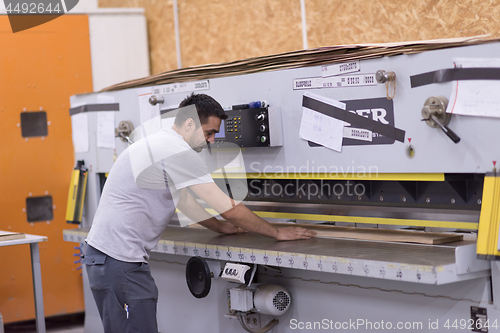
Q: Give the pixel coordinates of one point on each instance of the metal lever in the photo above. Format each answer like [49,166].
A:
[124,130]
[434,114]
[455,138]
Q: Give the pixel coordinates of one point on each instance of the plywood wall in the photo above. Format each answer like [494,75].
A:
[226,30]
[333,22]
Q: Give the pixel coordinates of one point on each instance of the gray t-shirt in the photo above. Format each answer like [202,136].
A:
[141,193]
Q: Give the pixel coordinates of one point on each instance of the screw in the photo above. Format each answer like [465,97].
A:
[359,197]
[338,197]
[18,125]
[403,199]
[381,198]
[48,222]
[48,123]
[46,192]
[41,108]
[24,210]
[427,200]
[478,201]
[468,269]
[30,194]
[452,201]
[54,207]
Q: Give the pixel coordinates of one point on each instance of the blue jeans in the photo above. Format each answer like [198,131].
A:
[125,293]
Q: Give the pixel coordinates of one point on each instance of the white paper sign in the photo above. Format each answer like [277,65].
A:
[475,97]
[80,131]
[322,129]
[106,124]
[146,110]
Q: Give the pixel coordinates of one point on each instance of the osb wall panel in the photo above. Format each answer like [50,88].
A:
[160,17]
[334,22]
[219,30]
[226,30]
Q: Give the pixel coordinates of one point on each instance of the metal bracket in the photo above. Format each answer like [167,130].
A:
[465,257]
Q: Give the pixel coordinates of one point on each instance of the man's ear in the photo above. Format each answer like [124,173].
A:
[189,124]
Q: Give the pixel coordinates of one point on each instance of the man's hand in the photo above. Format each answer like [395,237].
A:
[230,229]
[292,233]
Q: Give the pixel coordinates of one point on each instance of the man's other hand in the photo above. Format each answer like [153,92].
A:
[292,233]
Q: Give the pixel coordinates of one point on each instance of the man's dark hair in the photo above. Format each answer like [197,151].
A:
[206,107]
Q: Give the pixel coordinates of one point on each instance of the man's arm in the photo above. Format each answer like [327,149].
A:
[242,217]
[195,212]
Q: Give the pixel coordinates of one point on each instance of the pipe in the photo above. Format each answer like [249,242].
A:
[177,35]
[304,25]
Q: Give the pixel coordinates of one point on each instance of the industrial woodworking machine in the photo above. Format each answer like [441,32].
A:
[396,139]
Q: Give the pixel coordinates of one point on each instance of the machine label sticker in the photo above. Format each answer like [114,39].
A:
[307,83]
[342,68]
[358,134]
[350,81]
[334,82]
[182,87]
[378,111]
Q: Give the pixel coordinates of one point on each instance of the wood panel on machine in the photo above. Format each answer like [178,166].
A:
[381,235]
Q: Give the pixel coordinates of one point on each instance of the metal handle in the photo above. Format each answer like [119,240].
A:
[455,138]
[153,100]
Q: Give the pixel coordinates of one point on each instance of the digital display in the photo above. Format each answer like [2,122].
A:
[221,134]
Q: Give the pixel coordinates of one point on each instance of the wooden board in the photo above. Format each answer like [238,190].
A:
[372,234]
[7,235]
[383,235]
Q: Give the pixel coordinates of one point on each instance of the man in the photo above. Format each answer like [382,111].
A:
[147,183]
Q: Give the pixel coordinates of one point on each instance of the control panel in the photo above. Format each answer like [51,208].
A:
[256,127]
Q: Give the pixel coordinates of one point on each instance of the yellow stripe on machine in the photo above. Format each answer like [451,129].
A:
[489,220]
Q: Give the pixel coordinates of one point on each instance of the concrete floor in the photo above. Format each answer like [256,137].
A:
[63,324]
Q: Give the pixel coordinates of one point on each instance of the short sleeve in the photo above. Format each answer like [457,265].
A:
[186,168]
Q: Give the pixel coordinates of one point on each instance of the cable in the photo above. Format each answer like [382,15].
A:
[244,324]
